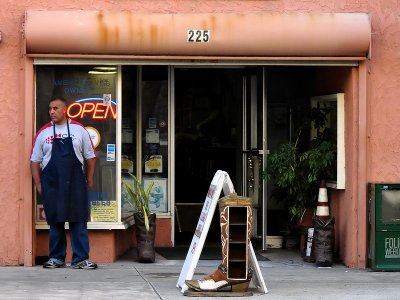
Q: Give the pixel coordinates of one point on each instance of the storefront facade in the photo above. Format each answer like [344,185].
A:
[143,76]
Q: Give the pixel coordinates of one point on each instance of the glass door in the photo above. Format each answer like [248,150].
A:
[207,138]
[254,147]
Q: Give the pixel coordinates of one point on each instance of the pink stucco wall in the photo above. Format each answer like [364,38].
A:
[383,142]
[342,203]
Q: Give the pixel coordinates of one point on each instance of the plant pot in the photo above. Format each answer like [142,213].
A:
[307,219]
[145,239]
[324,238]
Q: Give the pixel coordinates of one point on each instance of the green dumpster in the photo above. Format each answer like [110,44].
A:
[384,226]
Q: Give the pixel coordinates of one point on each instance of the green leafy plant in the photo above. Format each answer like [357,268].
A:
[296,171]
[139,197]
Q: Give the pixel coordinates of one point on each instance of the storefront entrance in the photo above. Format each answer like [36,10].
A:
[228,119]
[177,125]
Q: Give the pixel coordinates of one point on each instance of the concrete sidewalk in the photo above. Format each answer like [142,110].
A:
[286,277]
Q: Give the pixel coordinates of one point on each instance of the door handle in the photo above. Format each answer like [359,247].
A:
[255,152]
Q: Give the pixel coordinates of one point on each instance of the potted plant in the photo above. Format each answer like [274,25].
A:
[145,221]
[296,171]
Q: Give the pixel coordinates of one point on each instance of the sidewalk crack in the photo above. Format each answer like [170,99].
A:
[149,283]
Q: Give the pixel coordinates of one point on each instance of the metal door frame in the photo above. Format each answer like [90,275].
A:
[262,153]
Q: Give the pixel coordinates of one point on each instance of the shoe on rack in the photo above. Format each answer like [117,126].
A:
[85,265]
[218,280]
[53,264]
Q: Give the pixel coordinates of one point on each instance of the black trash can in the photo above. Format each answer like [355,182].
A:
[323,240]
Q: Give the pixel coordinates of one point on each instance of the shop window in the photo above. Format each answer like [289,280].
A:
[130,134]
[154,111]
[145,128]
[91,95]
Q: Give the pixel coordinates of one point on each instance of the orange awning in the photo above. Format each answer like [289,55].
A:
[221,34]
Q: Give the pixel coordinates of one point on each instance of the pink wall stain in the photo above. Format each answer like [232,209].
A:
[383,154]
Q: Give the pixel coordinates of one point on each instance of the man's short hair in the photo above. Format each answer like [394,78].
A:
[62,99]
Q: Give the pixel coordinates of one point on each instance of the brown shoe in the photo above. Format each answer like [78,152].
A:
[217,281]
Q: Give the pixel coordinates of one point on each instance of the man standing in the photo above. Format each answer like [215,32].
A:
[59,151]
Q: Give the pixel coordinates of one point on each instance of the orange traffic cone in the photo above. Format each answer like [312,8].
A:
[323,204]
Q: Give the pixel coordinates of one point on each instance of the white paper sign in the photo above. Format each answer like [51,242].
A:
[152,136]
[106,99]
[110,152]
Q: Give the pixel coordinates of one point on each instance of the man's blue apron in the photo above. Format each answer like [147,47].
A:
[64,189]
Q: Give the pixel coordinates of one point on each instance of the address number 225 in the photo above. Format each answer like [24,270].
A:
[198,36]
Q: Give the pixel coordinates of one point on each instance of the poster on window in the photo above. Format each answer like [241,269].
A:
[103,211]
[158,201]
[152,136]
[153,164]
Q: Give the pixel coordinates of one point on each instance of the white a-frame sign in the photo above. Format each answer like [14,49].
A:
[221,181]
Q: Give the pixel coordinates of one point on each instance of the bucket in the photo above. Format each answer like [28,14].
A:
[274,241]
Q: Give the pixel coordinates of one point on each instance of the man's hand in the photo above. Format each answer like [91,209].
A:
[90,165]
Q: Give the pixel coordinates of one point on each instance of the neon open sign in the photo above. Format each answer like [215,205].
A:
[92,107]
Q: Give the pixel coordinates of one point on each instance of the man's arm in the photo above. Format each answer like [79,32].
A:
[90,166]
[35,169]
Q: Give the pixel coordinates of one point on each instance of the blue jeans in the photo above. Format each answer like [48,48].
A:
[79,241]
